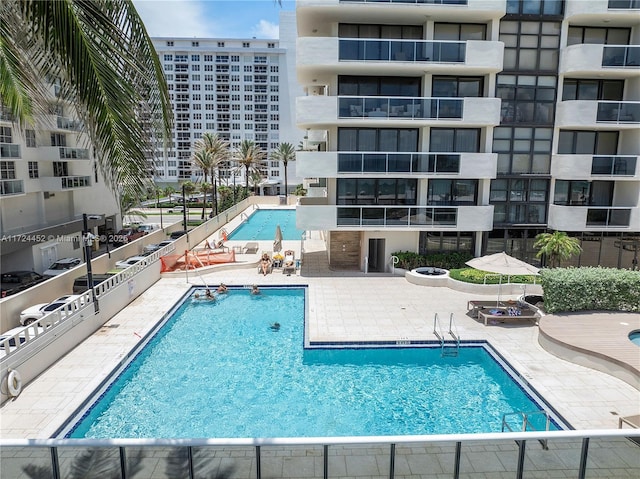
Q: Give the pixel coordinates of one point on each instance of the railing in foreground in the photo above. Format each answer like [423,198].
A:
[602,453]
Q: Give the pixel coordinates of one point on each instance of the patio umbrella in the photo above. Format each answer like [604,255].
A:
[502,264]
[277,242]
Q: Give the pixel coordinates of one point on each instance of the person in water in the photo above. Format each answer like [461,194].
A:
[208,294]
[255,289]
[222,288]
[275,327]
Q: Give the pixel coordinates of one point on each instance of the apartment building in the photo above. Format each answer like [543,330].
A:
[470,125]
[49,179]
[237,88]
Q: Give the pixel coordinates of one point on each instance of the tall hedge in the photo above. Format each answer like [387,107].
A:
[452,260]
[590,289]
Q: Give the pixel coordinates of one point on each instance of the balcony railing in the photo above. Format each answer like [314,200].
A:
[73,153]
[396,216]
[9,150]
[359,49]
[614,165]
[354,162]
[399,107]
[608,217]
[624,4]
[75,181]
[621,56]
[11,187]
[69,124]
[618,112]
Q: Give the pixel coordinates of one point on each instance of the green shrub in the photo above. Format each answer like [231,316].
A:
[591,289]
[471,275]
[409,260]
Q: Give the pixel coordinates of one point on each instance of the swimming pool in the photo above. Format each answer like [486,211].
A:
[212,372]
[634,337]
[261,225]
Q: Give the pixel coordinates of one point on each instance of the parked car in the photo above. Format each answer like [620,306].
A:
[19,333]
[34,313]
[125,263]
[81,284]
[61,266]
[177,234]
[176,209]
[15,281]
[146,228]
[150,248]
[127,235]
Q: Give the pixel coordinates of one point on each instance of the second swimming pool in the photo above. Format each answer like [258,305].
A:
[261,225]
[221,370]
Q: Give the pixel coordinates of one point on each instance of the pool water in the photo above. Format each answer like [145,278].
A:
[218,370]
[634,336]
[261,225]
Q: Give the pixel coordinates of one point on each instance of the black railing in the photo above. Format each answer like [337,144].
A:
[614,165]
[396,216]
[401,50]
[355,162]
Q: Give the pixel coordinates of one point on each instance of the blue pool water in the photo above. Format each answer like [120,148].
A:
[261,225]
[218,370]
[634,336]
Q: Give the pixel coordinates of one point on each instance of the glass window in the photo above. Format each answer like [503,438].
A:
[454,140]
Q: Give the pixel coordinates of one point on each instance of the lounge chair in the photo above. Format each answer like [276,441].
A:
[251,247]
[289,263]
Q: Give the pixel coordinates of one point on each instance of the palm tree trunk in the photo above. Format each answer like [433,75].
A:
[215,194]
[286,186]
[246,181]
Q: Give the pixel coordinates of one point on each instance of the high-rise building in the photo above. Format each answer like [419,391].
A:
[236,88]
[49,179]
[470,125]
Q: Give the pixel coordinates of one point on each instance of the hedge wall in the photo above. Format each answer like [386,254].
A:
[590,289]
[409,260]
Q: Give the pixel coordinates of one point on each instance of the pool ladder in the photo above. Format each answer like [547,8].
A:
[450,349]
[526,423]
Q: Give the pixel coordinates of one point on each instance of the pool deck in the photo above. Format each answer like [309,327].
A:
[342,306]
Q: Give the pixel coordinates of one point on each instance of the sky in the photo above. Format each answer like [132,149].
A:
[212,18]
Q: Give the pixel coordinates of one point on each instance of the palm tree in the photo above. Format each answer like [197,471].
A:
[284,153]
[168,191]
[102,59]
[204,187]
[189,188]
[556,246]
[219,151]
[249,157]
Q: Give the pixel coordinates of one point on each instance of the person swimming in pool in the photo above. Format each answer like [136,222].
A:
[209,295]
[255,290]
[222,288]
[275,327]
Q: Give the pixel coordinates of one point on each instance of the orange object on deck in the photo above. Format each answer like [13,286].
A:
[193,260]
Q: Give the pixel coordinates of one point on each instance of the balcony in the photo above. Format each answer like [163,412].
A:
[11,187]
[69,124]
[415,218]
[587,167]
[315,111]
[62,183]
[331,164]
[67,153]
[594,218]
[612,61]
[400,57]
[10,150]
[597,10]
[598,114]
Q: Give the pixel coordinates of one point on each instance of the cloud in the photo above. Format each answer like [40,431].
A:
[266,29]
[174,18]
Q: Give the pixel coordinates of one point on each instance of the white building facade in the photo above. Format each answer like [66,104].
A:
[237,88]
[470,125]
[49,179]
